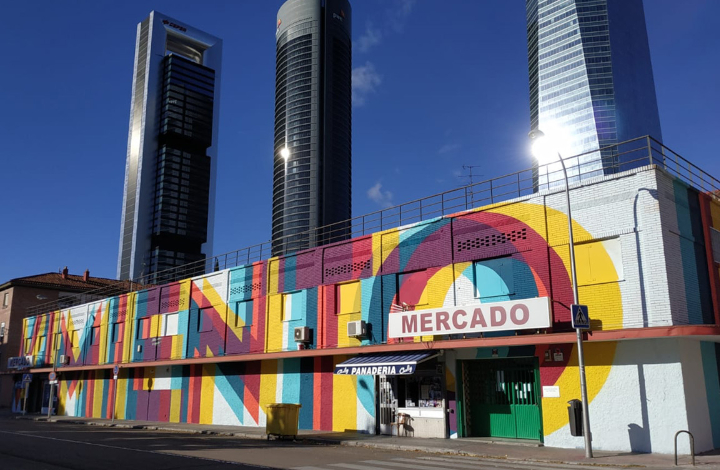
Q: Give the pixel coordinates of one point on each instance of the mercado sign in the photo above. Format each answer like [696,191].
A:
[525,314]
[22,362]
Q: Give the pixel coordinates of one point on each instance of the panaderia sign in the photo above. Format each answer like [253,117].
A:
[511,315]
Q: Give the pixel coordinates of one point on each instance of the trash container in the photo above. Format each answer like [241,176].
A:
[282,419]
[576,418]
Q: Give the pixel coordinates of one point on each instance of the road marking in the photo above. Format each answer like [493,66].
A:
[29,434]
[415,464]
[354,466]
[434,464]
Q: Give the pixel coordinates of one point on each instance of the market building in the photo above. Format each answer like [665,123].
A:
[460,321]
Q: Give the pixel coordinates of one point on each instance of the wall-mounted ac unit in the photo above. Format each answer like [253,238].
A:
[64,359]
[302,334]
[356,329]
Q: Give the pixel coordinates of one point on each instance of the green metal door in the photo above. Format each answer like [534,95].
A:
[502,398]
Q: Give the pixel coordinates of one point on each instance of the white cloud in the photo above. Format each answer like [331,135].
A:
[447,148]
[383,198]
[364,81]
[399,15]
[371,37]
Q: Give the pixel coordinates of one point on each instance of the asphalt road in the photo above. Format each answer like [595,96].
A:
[31,445]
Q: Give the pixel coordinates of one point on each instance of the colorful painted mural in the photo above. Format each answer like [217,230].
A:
[625,258]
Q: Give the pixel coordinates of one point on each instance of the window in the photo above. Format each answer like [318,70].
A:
[117,332]
[205,320]
[599,262]
[95,336]
[411,288]
[243,313]
[293,306]
[28,346]
[494,279]
[171,323]
[6,299]
[74,342]
[347,297]
[143,328]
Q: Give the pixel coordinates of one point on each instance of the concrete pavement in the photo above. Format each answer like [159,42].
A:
[483,448]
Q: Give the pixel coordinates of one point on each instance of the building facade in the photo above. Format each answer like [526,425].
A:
[462,322]
[168,200]
[591,81]
[17,296]
[313,113]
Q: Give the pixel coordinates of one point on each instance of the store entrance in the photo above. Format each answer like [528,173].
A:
[388,403]
[502,398]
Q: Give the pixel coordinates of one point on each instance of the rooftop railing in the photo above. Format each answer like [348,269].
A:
[635,153]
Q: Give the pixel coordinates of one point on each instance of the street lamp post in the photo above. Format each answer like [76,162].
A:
[545,153]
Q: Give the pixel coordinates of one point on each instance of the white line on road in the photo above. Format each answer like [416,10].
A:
[26,434]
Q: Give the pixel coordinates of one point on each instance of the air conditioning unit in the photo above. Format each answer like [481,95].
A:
[302,334]
[356,329]
[64,359]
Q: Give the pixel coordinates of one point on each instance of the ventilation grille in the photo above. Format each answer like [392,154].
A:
[492,240]
[180,303]
[347,268]
[244,289]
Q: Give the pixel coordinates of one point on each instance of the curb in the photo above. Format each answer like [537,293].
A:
[333,442]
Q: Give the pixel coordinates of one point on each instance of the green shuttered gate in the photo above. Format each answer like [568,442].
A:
[501,398]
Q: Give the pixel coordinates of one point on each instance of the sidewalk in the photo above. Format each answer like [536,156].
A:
[491,449]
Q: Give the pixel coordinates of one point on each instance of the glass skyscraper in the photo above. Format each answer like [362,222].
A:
[313,112]
[591,82]
[168,201]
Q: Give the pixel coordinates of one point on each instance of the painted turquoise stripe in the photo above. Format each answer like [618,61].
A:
[289,277]
[184,400]
[712,387]
[291,381]
[366,393]
[687,252]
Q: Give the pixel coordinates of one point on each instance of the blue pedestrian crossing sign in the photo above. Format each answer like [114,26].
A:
[27,378]
[580,317]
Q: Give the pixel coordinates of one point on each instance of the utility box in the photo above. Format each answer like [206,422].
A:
[282,420]
[575,416]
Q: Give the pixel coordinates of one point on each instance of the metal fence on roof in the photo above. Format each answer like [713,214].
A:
[616,158]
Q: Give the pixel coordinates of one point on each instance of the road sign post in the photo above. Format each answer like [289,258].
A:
[580,317]
[26,379]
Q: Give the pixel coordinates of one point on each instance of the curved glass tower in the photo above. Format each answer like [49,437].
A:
[313,113]
[591,81]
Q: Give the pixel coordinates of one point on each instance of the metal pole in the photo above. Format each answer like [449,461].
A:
[52,385]
[27,389]
[578,332]
[115,383]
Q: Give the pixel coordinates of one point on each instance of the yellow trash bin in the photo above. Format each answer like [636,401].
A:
[282,419]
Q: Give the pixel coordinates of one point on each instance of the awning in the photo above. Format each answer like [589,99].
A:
[383,364]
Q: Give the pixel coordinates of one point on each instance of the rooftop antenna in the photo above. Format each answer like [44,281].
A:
[470,176]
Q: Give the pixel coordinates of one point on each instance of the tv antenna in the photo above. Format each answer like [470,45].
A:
[470,176]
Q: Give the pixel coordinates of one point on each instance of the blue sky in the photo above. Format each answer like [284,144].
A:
[438,85]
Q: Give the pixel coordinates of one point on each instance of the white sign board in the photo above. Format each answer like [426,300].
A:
[551,391]
[21,362]
[525,314]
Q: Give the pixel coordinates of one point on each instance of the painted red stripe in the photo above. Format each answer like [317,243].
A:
[326,397]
